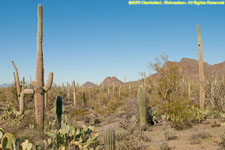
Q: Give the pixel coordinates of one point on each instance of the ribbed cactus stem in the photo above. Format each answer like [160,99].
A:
[113,89]
[59,110]
[201,70]
[46,99]
[14,76]
[21,102]
[23,83]
[84,98]
[142,107]
[110,139]
[68,91]
[17,80]
[74,94]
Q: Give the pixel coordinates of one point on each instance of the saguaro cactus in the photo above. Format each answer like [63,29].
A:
[201,70]
[142,107]
[68,90]
[74,93]
[39,87]
[23,83]
[59,110]
[46,99]
[113,89]
[84,98]
[110,139]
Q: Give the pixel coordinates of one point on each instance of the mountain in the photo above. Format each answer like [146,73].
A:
[110,80]
[190,69]
[5,85]
[88,84]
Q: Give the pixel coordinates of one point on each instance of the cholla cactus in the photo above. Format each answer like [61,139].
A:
[201,70]
[142,107]
[110,139]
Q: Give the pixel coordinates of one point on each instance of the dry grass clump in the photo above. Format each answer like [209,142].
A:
[196,138]
[164,146]
[138,140]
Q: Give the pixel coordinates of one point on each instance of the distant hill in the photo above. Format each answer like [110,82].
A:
[88,84]
[110,80]
[190,69]
[5,85]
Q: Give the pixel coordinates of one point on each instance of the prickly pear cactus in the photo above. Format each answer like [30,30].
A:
[59,110]
[7,141]
[26,145]
[1,133]
[110,139]
[71,137]
[142,107]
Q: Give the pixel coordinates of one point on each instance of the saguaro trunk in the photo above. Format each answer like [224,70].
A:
[201,70]
[39,96]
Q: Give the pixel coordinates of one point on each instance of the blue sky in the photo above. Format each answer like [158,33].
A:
[90,39]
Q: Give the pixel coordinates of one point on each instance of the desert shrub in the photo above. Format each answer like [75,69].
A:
[164,146]
[196,138]
[169,134]
[222,142]
[215,93]
[138,140]
[173,102]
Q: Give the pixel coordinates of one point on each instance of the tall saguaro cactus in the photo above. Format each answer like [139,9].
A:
[201,70]
[39,87]
[142,107]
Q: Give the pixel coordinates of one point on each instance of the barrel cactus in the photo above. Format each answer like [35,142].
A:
[110,138]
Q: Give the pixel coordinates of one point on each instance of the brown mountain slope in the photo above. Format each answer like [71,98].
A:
[190,69]
[110,80]
[88,84]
